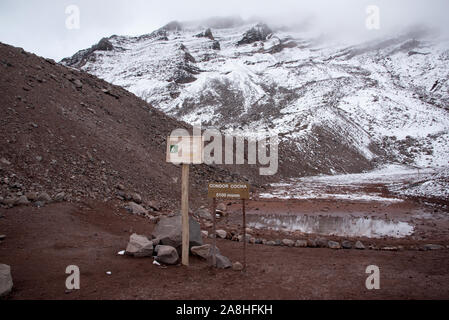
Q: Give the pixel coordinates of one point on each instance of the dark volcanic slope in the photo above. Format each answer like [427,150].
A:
[62,130]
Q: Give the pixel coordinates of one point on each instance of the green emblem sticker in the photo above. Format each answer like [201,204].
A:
[174,149]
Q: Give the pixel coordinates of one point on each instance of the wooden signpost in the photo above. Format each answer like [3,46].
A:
[185,151]
[228,191]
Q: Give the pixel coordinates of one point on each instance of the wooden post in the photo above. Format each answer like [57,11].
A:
[185,215]
[244,235]
[214,248]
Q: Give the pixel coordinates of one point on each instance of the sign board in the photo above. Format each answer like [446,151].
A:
[185,150]
[230,191]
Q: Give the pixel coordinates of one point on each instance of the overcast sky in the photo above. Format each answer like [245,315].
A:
[39,26]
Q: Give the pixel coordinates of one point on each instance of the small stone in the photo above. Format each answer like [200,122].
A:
[32,196]
[237,266]
[270,243]
[136,209]
[334,245]
[222,207]
[288,243]
[433,247]
[208,225]
[154,219]
[39,204]
[311,243]
[136,198]
[78,84]
[301,244]
[205,233]
[389,249]
[167,255]
[10,201]
[5,162]
[222,234]
[321,242]
[120,187]
[346,244]
[60,197]
[43,197]
[359,245]
[204,214]
[22,201]
[153,205]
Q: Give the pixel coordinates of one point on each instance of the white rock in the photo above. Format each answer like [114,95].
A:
[136,209]
[221,233]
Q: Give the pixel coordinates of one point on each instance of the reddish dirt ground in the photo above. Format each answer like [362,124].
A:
[41,243]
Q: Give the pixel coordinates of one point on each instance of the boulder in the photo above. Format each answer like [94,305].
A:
[288,243]
[301,244]
[136,209]
[334,245]
[321,242]
[237,266]
[43,197]
[359,245]
[222,234]
[6,283]
[139,246]
[169,231]
[346,244]
[311,243]
[204,251]
[167,255]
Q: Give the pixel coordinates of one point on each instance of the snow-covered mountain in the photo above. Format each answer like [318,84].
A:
[338,107]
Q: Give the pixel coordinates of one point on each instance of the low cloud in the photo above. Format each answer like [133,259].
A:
[39,26]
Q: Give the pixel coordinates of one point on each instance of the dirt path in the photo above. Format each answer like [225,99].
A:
[41,243]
